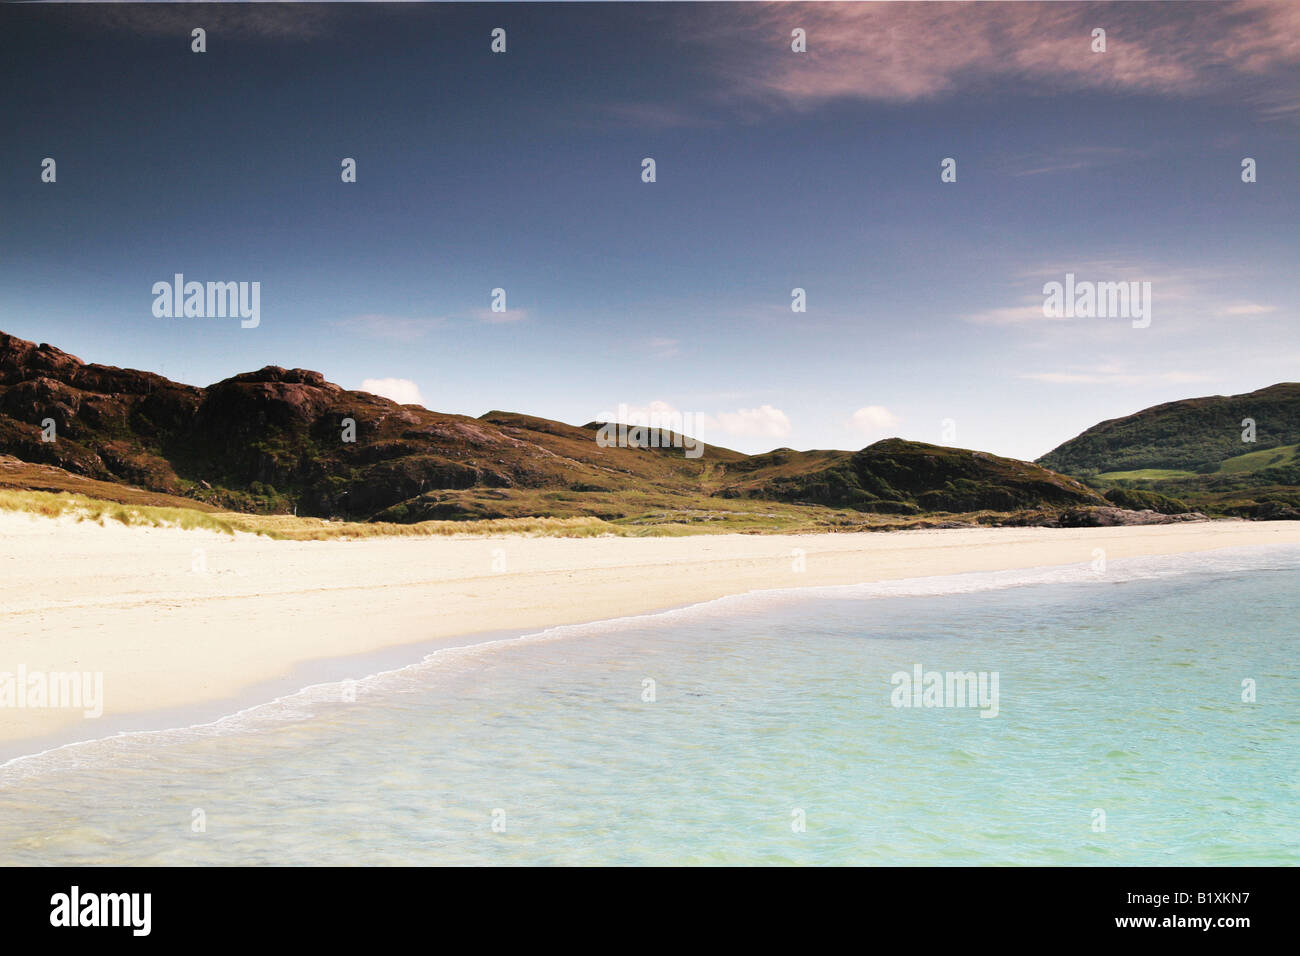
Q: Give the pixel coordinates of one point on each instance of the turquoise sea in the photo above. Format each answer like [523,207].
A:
[769,735]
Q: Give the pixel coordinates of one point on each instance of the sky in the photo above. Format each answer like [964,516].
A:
[774,170]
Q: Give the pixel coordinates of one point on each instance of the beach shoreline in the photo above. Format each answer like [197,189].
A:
[190,626]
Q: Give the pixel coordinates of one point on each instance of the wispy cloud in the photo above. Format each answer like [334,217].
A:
[1115,374]
[407,329]
[390,327]
[656,116]
[1172,289]
[1083,378]
[1071,159]
[905,52]
[275,21]
[1027,312]
[488,317]
[1248,308]
[664,348]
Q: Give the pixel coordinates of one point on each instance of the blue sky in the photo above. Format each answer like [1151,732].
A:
[775,170]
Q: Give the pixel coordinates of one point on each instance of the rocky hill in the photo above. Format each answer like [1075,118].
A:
[279,440]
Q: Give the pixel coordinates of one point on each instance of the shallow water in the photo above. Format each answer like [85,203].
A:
[1119,692]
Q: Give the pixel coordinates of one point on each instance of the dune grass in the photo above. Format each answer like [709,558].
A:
[291,528]
[84,508]
[660,522]
[287,527]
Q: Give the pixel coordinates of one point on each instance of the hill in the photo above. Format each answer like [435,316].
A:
[279,440]
[1194,435]
[894,476]
[1193,450]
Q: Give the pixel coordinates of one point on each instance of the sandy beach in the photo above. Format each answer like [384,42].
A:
[177,618]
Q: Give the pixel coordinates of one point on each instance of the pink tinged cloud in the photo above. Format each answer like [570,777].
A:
[903,52]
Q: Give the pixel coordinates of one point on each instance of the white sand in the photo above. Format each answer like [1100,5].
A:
[125,602]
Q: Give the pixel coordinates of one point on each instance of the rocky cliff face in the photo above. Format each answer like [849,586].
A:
[273,434]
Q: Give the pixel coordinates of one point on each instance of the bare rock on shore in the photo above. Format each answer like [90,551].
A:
[1104,517]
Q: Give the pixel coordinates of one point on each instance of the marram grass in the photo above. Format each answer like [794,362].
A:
[288,527]
[659,522]
[83,508]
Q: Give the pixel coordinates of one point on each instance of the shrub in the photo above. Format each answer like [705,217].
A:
[1136,500]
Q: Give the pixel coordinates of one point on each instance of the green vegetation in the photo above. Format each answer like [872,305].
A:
[666,523]
[1136,500]
[1193,451]
[273,442]
[1248,463]
[1259,460]
[1184,435]
[912,478]
[1144,474]
[82,508]
[262,448]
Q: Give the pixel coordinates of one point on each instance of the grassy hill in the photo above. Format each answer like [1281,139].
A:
[273,442]
[1194,435]
[1193,450]
[894,476]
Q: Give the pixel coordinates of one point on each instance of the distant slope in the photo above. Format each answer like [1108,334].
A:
[25,476]
[1193,435]
[907,477]
[1193,451]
